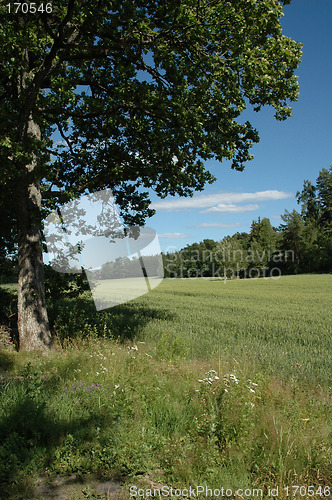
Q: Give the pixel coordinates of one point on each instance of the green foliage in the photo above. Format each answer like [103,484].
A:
[301,244]
[60,285]
[310,233]
[8,269]
[233,257]
[129,268]
[8,306]
[324,196]
[264,234]
[292,234]
[141,94]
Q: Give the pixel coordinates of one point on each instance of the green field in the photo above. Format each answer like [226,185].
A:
[199,382]
[280,325]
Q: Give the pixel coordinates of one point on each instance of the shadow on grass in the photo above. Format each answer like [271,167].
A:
[6,362]
[128,320]
[33,438]
[75,318]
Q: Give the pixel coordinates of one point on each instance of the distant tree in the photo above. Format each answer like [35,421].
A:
[316,209]
[107,270]
[232,257]
[307,198]
[292,241]
[262,244]
[141,94]
[263,233]
[316,200]
[309,234]
[324,196]
[244,238]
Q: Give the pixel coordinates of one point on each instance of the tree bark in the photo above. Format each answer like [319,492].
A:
[33,325]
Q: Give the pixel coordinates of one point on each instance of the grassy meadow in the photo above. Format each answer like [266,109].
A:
[199,382]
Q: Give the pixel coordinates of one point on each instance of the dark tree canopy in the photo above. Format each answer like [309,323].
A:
[141,94]
[132,85]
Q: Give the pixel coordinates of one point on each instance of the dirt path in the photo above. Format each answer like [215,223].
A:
[75,488]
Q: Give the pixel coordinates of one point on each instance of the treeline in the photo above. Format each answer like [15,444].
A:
[301,244]
[130,268]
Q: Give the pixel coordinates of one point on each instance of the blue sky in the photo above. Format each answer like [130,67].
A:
[288,153]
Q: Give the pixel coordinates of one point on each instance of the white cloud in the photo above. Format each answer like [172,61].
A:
[226,199]
[230,208]
[218,224]
[173,235]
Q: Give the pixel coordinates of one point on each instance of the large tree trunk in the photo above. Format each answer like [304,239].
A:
[33,326]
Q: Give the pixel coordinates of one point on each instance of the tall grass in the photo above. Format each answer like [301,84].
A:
[196,383]
[280,326]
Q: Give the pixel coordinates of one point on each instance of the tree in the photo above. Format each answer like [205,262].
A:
[324,196]
[263,242]
[141,93]
[232,257]
[309,234]
[293,240]
[307,197]
[263,233]
[316,199]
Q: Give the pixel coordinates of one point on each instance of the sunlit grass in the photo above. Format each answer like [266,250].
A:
[280,326]
[197,382]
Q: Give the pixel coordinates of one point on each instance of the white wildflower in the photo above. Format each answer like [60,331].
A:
[211,376]
[233,377]
[132,348]
[211,372]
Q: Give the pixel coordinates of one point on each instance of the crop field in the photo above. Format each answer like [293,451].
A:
[199,382]
[282,325]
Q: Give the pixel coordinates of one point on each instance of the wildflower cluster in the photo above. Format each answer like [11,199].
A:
[101,356]
[211,376]
[251,386]
[229,380]
[206,422]
[133,347]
